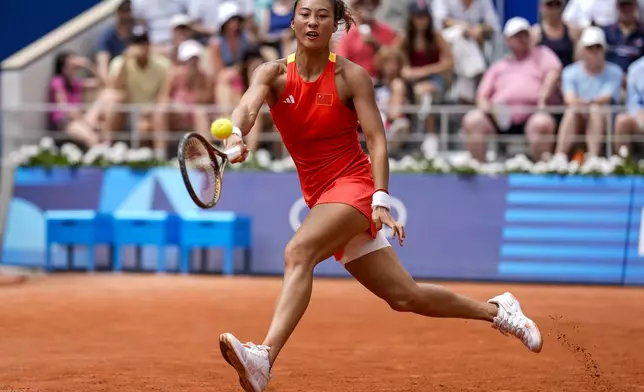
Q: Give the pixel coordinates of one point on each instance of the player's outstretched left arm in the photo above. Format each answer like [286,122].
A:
[373,129]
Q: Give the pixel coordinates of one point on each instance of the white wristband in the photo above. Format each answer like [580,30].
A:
[381,199]
[237,131]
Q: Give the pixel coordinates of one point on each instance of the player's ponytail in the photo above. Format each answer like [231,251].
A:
[342,13]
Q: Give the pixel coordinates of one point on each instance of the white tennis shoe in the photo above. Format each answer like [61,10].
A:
[511,321]
[249,360]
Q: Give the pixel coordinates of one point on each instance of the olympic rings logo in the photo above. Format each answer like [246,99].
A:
[398,211]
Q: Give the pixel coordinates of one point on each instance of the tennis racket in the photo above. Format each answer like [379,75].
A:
[202,168]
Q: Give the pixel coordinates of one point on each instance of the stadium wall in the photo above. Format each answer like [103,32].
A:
[41,17]
[506,228]
[24,76]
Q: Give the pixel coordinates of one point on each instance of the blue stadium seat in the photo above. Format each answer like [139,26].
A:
[227,230]
[140,228]
[73,228]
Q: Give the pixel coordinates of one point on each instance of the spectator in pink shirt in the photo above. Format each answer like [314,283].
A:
[361,45]
[527,77]
[66,88]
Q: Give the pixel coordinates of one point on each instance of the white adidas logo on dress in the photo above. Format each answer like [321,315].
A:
[290,99]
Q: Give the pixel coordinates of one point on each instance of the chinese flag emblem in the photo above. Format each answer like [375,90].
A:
[324,99]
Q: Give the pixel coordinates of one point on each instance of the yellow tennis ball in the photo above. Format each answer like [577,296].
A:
[221,128]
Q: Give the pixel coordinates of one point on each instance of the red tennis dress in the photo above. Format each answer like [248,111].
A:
[320,133]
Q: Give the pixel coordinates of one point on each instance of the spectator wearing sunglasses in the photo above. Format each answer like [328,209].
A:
[625,38]
[554,33]
[588,86]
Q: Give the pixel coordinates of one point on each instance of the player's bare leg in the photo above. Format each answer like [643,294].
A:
[327,228]
[382,274]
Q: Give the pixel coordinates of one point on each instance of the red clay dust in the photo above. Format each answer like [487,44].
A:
[86,333]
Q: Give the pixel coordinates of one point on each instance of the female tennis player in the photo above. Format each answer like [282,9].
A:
[317,100]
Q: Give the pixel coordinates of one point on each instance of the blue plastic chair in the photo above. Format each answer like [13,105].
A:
[226,230]
[140,228]
[74,228]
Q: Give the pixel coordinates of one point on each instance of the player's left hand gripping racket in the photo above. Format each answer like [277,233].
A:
[202,168]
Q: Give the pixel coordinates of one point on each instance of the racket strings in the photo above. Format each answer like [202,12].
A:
[204,171]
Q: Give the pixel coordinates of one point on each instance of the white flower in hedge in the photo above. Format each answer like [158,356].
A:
[591,164]
[146,154]
[96,152]
[72,153]
[263,158]
[616,160]
[519,162]
[278,166]
[289,163]
[492,168]
[573,167]
[394,165]
[24,154]
[133,155]
[461,160]
[540,167]
[424,165]
[47,144]
[118,153]
[408,163]
[441,164]
[623,152]
[558,163]
[606,166]
[16,158]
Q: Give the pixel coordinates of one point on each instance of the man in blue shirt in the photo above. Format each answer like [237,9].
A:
[114,39]
[625,38]
[588,85]
[631,122]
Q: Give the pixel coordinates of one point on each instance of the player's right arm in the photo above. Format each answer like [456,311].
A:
[247,110]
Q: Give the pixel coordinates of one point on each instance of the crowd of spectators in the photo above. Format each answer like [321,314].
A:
[173,55]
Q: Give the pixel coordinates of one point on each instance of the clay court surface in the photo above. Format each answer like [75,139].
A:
[160,333]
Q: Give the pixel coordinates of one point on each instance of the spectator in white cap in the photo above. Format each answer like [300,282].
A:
[588,85]
[207,18]
[527,77]
[181,31]
[227,52]
[187,85]
[631,122]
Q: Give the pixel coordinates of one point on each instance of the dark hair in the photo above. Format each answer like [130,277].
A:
[59,65]
[222,29]
[428,34]
[125,6]
[341,13]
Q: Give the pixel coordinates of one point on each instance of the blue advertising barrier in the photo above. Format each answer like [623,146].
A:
[508,228]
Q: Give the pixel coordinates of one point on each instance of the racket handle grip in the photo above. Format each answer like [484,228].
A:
[233,153]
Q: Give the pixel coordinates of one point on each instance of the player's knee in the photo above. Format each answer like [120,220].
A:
[298,255]
[405,300]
